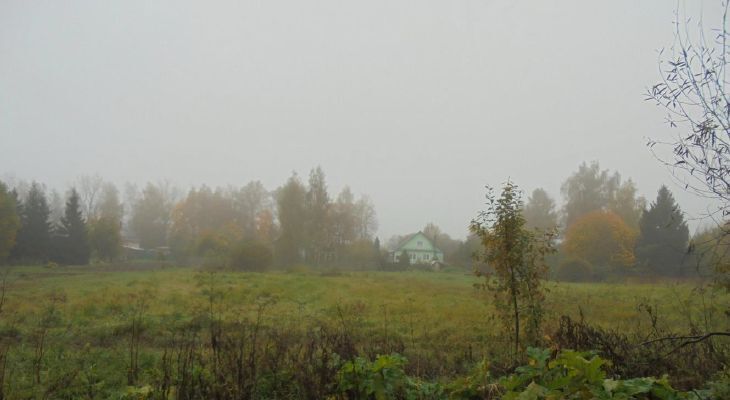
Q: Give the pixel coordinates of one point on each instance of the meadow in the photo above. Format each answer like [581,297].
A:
[98,331]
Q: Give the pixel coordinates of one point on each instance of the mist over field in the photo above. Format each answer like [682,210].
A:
[417,103]
[379,200]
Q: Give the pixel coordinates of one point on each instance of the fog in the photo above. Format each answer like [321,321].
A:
[419,104]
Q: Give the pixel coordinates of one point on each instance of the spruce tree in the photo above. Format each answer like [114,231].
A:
[72,241]
[663,236]
[33,243]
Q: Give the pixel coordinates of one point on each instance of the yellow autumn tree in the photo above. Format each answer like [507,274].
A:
[204,221]
[601,238]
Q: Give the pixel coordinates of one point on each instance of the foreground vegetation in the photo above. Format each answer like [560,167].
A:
[151,332]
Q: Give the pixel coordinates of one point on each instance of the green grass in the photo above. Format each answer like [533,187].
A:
[438,320]
[444,304]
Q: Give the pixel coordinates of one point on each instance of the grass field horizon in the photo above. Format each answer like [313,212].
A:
[448,296]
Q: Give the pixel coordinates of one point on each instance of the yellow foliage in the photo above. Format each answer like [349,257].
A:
[601,238]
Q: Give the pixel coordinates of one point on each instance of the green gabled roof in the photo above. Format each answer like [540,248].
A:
[413,235]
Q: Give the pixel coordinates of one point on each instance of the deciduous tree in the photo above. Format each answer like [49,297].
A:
[367,218]
[344,218]
[290,200]
[693,92]
[627,204]
[586,190]
[601,238]
[90,188]
[105,230]
[9,222]
[540,211]
[251,202]
[151,215]
[318,212]
[203,213]
[517,256]
[105,238]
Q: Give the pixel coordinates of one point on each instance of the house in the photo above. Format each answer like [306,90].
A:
[419,248]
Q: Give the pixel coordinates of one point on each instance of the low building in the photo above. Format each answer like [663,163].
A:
[420,250]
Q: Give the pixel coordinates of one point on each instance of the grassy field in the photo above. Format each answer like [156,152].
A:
[438,320]
[428,300]
[425,304]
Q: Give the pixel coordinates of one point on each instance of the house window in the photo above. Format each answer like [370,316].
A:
[428,256]
[420,244]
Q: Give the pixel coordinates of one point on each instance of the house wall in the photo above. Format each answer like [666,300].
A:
[420,250]
[419,256]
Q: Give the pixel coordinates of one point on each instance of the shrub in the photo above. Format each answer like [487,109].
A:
[251,256]
[577,375]
[383,378]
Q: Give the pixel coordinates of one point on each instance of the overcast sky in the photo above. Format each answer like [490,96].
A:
[417,103]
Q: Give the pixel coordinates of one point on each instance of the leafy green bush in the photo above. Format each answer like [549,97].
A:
[578,375]
[383,378]
[479,384]
[719,387]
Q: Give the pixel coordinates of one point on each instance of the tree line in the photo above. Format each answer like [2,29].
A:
[603,229]
[606,229]
[248,227]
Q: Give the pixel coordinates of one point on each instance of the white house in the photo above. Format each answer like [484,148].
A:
[419,248]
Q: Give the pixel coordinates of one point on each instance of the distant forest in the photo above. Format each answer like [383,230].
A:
[604,229]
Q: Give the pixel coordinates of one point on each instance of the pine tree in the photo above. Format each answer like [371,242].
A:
[33,243]
[71,236]
[663,236]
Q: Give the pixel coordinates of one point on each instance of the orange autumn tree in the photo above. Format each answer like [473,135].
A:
[601,238]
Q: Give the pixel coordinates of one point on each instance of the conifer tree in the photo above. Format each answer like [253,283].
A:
[376,251]
[663,236]
[33,243]
[71,236]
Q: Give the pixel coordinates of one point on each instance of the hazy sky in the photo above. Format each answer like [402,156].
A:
[417,103]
